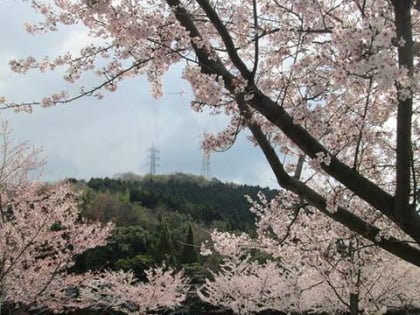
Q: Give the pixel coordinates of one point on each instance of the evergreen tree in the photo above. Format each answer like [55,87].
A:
[189,255]
[164,250]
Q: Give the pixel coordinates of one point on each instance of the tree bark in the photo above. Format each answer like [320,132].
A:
[354,303]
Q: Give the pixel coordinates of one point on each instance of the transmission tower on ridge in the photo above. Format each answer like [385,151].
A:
[154,159]
[205,165]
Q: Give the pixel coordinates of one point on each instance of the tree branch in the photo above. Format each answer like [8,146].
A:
[342,215]
[357,183]
[227,39]
[256,39]
[354,181]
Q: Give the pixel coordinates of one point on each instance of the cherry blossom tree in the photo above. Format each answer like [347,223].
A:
[40,233]
[247,287]
[314,265]
[121,291]
[344,271]
[330,83]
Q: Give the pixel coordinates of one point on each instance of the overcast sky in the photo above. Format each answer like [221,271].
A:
[91,138]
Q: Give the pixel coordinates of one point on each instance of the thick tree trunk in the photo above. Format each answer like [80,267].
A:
[354,303]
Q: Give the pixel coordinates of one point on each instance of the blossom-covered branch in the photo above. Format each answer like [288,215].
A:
[336,82]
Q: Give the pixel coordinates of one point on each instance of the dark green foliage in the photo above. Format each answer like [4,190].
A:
[106,184]
[164,249]
[189,254]
[137,264]
[127,248]
[203,200]
[162,219]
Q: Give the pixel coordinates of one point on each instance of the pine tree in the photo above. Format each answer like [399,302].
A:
[189,255]
[164,250]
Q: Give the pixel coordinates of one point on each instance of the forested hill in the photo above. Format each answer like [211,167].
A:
[162,218]
[204,201]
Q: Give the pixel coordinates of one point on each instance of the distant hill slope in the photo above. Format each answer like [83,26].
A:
[200,199]
[162,218]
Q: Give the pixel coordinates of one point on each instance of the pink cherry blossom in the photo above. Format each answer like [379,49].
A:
[41,231]
[335,82]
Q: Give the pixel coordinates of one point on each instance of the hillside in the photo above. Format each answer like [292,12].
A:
[204,201]
[162,218]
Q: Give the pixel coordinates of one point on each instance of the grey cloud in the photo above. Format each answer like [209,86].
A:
[101,138]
